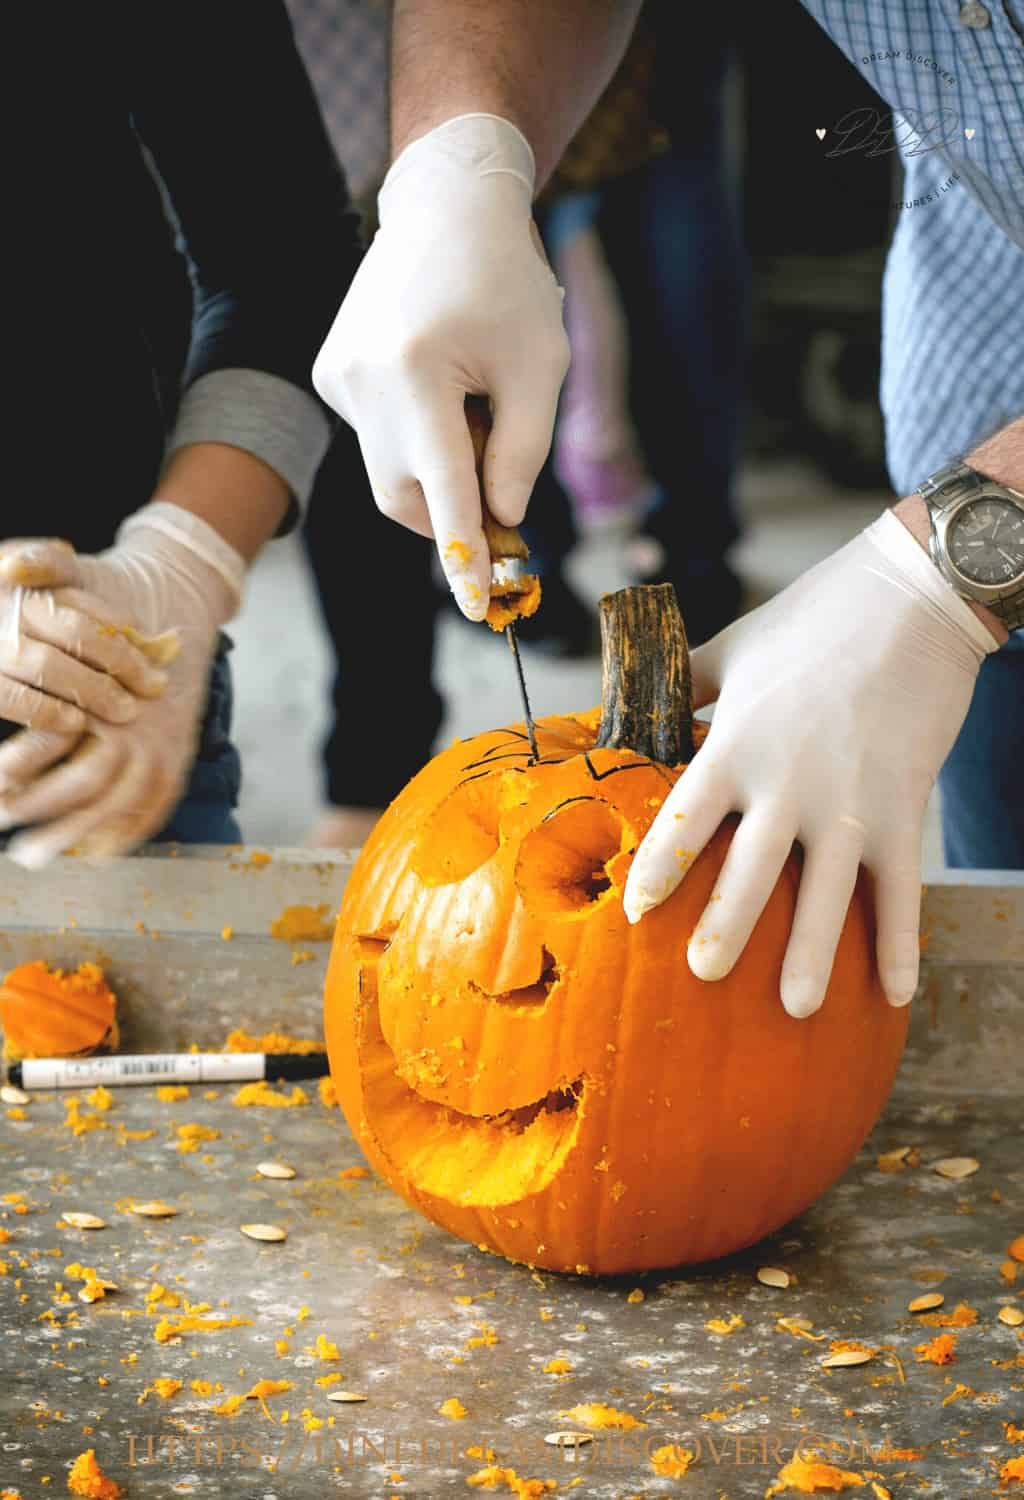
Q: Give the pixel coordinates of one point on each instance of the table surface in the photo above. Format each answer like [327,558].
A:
[403,1300]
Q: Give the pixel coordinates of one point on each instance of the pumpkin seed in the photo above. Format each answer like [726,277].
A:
[275,1169]
[1011,1316]
[847,1357]
[568,1439]
[153,1209]
[264,1231]
[10,1095]
[926,1303]
[956,1167]
[83,1221]
[345,1396]
[772,1276]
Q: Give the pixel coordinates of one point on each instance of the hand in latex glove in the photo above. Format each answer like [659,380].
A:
[837,703]
[168,571]
[454,297]
[61,666]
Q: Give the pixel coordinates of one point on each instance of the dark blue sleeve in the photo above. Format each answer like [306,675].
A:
[223,104]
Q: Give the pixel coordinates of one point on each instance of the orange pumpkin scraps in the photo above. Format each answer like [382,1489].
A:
[725,1325]
[812,1476]
[962,1316]
[1016,1250]
[80,1123]
[164,1386]
[940,1351]
[1012,1471]
[191,1136]
[453,1408]
[671,1461]
[86,1478]
[303,924]
[596,1414]
[52,1013]
[519,599]
[494,882]
[261,1094]
[524,1489]
[1014,1434]
[271,1041]
[169,1330]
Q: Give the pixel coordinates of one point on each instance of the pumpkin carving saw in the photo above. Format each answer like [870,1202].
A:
[547,1081]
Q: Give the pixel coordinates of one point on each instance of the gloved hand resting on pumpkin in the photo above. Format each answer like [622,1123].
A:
[165,588]
[836,704]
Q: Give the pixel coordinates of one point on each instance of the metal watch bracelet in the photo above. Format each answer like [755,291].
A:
[960,482]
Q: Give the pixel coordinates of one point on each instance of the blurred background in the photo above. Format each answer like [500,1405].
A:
[719,427]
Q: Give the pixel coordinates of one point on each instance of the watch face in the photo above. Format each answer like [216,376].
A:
[985,542]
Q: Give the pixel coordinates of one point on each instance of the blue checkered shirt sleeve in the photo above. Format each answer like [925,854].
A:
[953,295]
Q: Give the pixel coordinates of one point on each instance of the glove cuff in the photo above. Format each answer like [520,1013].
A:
[478,144]
[198,537]
[895,542]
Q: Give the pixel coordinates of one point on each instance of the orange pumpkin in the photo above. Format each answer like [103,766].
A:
[540,1077]
[49,1013]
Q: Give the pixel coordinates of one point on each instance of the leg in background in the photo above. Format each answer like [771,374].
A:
[379,603]
[671,237]
[205,813]
[980,785]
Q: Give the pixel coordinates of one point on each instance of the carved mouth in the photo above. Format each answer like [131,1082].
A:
[479,1161]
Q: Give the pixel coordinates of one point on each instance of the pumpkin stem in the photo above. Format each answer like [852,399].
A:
[646,692]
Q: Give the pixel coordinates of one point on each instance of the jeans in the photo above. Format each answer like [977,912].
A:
[980,784]
[205,813]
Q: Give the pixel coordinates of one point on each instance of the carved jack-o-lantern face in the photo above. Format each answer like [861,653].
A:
[545,1080]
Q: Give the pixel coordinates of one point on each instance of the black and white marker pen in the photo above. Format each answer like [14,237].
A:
[165,1067]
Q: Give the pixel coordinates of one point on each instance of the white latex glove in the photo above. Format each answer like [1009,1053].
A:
[454,297]
[168,571]
[60,663]
[837,703]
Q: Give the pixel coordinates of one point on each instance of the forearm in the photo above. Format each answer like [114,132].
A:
[240,496]
[541,66]
[1000,457]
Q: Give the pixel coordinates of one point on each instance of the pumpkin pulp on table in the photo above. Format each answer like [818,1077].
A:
[544,1079]
[46,1012]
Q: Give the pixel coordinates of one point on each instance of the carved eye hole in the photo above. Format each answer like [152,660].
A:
[462,834]
[563,864]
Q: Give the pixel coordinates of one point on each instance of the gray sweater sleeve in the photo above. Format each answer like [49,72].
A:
[262,414]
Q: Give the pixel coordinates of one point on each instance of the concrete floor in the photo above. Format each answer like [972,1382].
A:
[794,518]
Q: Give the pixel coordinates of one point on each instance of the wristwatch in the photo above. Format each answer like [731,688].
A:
[977,540]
